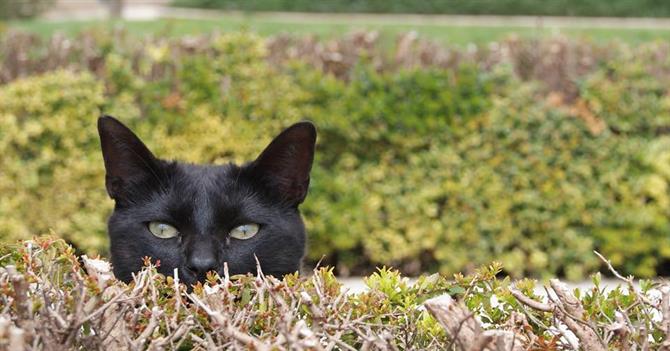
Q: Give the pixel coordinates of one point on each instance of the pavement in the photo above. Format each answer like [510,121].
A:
[354,285]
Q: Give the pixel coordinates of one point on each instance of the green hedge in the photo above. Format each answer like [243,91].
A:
[421,168]
[620,8]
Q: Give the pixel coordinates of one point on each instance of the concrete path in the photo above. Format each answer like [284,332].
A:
[356,285]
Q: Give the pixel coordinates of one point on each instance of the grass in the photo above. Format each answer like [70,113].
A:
[267,26]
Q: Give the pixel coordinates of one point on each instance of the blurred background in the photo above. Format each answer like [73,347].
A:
[452,133]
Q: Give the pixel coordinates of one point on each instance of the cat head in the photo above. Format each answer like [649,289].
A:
[193,218]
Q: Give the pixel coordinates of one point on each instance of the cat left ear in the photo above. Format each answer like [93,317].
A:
[127,159]
[285,163]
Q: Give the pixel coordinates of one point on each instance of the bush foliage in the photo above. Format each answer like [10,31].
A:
[429,158]
[50,299]
[23,9]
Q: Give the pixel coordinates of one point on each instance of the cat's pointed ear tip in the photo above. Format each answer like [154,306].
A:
[305,127]
[106,118]
[106,121]
[305,124]
[109,125]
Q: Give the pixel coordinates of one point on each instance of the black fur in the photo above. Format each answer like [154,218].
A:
[204,202]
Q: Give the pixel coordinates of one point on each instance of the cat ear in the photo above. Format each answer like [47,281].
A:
[127,159]
[285,164]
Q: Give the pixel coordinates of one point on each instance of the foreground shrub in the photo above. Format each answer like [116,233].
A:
[434,159]
[48,298]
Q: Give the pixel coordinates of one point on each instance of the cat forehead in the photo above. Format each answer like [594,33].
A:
[205,173]
[199,177]
[205,188]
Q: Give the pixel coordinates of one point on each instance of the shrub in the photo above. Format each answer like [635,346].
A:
[22,9]
[423,165]
[49,298]
[47,138]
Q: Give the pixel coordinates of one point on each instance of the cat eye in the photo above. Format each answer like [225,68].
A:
[245,231]
[163,230]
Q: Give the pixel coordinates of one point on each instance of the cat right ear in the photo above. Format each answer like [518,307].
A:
[285,164]
[127,159]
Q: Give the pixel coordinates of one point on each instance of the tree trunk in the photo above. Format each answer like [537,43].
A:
[115,9]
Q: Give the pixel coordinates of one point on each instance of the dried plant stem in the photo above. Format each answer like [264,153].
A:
[468,334]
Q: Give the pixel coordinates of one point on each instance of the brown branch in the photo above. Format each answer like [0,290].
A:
[665,312]
[138,343]
[570,311]
[460,325]
[244,338]
[530,302]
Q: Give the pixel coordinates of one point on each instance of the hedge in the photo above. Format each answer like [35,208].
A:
[618,8]
[50,298]
[532,153]
[23,9]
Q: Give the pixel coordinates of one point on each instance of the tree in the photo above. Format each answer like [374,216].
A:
[115,8]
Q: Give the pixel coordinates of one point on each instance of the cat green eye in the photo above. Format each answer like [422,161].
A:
[244,232]
[163,230]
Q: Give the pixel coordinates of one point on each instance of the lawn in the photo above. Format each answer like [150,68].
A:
[458,35]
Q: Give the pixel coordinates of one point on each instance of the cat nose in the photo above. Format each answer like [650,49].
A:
[201,264]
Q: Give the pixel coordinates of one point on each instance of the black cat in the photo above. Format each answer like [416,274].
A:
[196,217]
